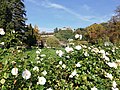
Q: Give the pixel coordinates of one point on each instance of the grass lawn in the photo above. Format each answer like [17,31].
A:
[47,51]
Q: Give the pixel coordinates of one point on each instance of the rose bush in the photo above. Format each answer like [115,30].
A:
[77,67]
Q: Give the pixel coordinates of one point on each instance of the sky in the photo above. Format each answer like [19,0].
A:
[49,14]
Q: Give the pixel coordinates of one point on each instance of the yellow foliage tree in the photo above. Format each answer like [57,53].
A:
[95,33]
[37,33]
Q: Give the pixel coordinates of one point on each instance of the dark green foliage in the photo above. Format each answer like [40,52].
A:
[12,18]
[56,30]
[81,31]
[31,39]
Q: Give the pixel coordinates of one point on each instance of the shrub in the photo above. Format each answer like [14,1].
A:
[52,42]
[75,68]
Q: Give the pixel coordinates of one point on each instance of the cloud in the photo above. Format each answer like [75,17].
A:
[34,2]
[52,5]
[89,18]
[49,4]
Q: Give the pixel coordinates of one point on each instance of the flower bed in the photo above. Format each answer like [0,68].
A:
[75,68]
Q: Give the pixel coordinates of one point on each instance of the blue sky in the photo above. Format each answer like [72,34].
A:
[49,14]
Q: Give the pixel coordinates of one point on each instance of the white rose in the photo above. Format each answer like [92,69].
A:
[106,58]
[77,36]
[2,43]
[64,66]
[112,64]
[57,51]
[44,72]
[41,80]
[37,52]
[71,76]
[109,76]
[94,88]
[80,37]
[74,73]
[114,84]
[102,52]
[60,53]
[14,71]
[36,69]
[86,54]
[60,62]
[42,55]
[78,47]
[37,58]
[38,62]
[106,44]
[2,31]
[78,64]
[26,74]
[68,49]
[13,31]
[49,89]
[114,88]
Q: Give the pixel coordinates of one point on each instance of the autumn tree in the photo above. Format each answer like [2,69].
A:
[36,32]
[114,27]
[95,33]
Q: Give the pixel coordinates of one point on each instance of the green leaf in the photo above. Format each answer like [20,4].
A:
[3,87]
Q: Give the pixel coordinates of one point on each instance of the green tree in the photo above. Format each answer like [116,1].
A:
[12,15]
[18,17]
[56,30]
[79,31]
[5,14]
[30,37]
[64,35]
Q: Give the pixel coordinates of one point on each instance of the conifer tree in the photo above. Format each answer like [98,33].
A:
[12,18]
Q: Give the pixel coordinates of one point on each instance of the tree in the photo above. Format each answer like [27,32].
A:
[12,15]
[30,37]
[79,30]
[5,14]
[56,30]
[95,33]
[18,17]
[36,33]
[114,27]
[118,13]
[64,35]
